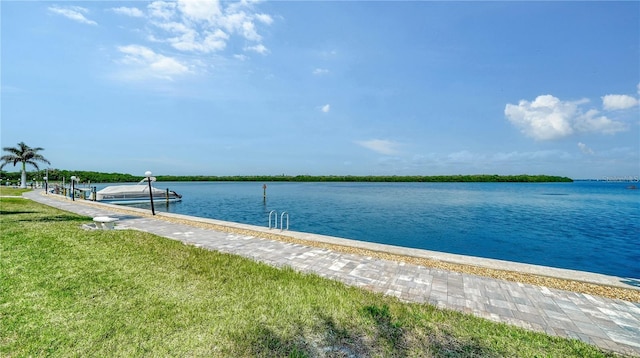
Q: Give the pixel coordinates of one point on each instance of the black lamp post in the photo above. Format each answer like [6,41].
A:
[149,178]
[46,185]
[73,188]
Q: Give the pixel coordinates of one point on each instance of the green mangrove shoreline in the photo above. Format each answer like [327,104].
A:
[98,177]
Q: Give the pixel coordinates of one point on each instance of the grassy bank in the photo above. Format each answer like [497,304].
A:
[8,191]
[70,292]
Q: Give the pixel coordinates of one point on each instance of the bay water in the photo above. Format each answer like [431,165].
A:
[585,225]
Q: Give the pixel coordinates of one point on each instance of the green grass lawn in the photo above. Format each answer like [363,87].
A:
[66,291]
[10,191]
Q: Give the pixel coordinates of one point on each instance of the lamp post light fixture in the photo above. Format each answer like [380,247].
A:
[73,188]
[149,178]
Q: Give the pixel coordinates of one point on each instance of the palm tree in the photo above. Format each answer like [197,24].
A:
[25,155]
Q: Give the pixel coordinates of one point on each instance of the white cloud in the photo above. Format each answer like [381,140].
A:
[618,101]
[326,108]
[209,42]
[193,27]
[162,10]
[544,118]
[174,27]
[583,147]
[320,71]
[530,156]
[477,162]
[257,48]
[381,146]
[190,40]
[233,21]
[207,25]
[147,63]
[594,123]
[472,162]
[200,10]
[264,18]
[549,118]
[249,31]
[128,11]
[74,13]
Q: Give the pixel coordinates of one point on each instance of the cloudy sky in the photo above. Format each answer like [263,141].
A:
[322,88]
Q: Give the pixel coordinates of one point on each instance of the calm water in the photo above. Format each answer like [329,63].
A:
[588,226]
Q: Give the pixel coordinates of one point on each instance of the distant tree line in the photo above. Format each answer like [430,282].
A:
[368,178]
[97,177]
[56,175]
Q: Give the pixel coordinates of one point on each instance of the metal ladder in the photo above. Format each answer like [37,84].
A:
[282,216]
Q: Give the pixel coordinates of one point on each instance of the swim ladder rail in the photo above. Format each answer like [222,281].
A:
[282,220]
[272,212]
[275,219]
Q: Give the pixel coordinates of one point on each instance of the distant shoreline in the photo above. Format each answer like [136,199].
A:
[55,175]
[377,179]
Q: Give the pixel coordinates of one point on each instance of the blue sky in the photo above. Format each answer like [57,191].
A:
[324,88]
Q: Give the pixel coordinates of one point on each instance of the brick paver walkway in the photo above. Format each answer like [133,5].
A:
[607,323]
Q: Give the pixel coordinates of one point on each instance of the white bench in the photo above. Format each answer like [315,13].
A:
[105,222]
